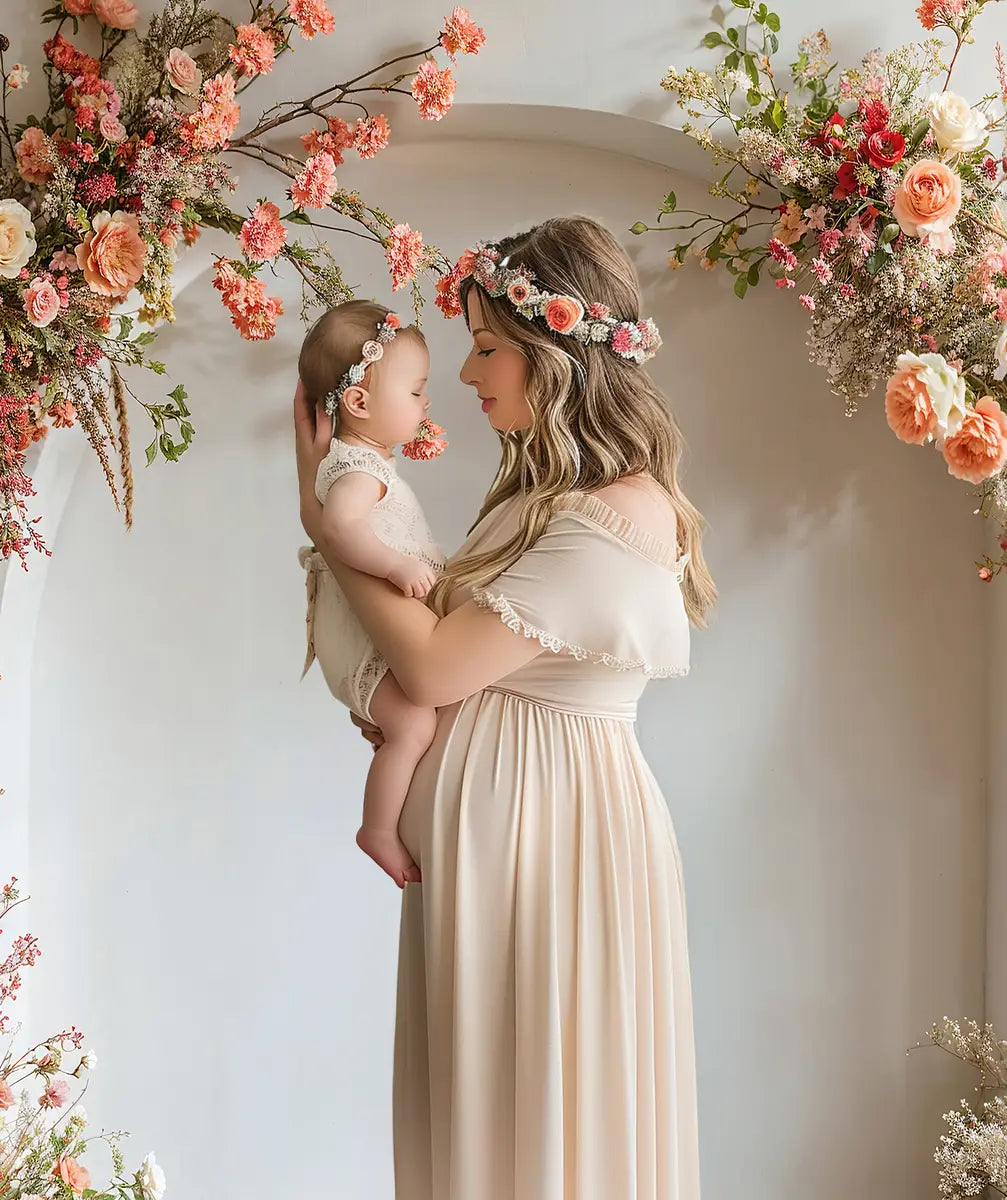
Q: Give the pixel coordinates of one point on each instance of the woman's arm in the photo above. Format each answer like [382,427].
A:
[436,662]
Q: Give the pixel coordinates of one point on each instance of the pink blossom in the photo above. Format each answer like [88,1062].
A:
[461,33]
[404,254]
[216,118]
[370,135]
[783,254]
[808,302]
[63,260]
[253,313]
[931,13]
[816,216]
[985,574]
[116,14]
[785,283]
[313,187]
[822,270]
[311,17]
[847,291]
[55,1095]
[828,240]
[32,154]
[262,234]
[433,90]
[111,128]
[254,53]
[183,74]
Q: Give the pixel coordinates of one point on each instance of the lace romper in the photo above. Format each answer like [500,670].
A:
[351,664]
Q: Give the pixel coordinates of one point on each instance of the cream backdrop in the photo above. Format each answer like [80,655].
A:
[188,832]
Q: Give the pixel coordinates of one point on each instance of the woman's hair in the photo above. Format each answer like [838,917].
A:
[595,416]
[334,343]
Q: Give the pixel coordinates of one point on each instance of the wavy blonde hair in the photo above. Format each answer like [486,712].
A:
[595,416]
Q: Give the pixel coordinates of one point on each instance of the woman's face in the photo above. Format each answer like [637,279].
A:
[497,370]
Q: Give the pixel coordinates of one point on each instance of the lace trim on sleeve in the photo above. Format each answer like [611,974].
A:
[548,641]
[344,459]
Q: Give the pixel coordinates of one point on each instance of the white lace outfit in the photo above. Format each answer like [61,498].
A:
[351,664]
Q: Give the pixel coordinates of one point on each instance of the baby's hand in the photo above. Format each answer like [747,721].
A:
[412,577]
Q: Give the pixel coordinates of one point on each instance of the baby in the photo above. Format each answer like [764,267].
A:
[370,374]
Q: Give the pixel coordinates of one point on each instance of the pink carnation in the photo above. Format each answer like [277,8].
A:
[111,128]
[934,12]
[253,313]
[370,135]
[807,301]
[433,90]
[311,17]
[461,33]
[404,254]
[262,234]
[979,448]
[216,118]
[314,186]
[254,53]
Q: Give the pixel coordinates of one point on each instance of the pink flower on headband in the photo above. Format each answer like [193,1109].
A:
[393,321]
[562,313]
[519,291]
[598,311]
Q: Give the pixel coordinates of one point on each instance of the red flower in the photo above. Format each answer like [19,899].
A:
[846,180]
[829,141]
[868,217]
[874,116]
[883,148]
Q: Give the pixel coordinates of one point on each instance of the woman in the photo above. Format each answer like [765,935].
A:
[544,1042]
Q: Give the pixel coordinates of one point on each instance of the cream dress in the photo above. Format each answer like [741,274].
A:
[349,660]
[544,1036]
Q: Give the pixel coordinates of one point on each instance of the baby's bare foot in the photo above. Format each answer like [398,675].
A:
[388,851]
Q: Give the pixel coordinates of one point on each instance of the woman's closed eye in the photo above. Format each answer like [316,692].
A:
[483,353]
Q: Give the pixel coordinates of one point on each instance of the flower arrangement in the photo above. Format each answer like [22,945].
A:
[885,216]
[42,1139]
[972,1155]
[130,158]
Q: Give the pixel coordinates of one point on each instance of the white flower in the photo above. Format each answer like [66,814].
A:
[89,1060]
[956,124]
[17,77]
[1001,352]
[151,1178]
[17,238]
[945,387]
[77,1115]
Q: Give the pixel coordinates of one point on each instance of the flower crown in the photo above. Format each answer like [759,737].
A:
[370,352]
[591,325]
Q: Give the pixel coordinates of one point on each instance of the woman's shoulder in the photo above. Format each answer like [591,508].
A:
[641,500]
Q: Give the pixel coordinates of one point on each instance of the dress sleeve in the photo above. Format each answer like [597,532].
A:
[343,459]
[584,591]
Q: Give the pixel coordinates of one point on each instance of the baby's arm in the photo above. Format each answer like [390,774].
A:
[345,526]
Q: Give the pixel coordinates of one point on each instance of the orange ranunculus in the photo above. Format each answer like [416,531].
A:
[113,254]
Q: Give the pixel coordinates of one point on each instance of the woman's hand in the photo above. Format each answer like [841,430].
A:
[369,732]
[312,437]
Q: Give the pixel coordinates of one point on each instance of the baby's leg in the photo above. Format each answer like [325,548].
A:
[408,731]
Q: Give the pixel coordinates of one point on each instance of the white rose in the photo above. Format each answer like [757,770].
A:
[151,1178]
[17,238]
[1001,353]
[956,124]
[945,387]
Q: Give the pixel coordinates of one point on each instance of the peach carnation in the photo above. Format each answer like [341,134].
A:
[313,187]
[112,256]
[216,118]
[433,90]
[116,14]
[183,74]
[930,12]
[262,234]
[979,448]
[370,134]
[41,302]
[562,313]
[254,53]
[404,254]
[32,153]
[311,17]
[461,33]
[77,8]
[928,199]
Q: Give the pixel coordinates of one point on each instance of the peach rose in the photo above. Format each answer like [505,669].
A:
[77,8]
[33,156]
[908,408]
[113,254]
[112,129]
[979,448]
[182,72]
[41,302]
[562,313]
[76,1177]
[928,199]
[116,14]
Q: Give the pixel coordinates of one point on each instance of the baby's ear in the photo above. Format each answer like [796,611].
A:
[355,402]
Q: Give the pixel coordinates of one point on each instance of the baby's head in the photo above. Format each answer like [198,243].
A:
[390,400]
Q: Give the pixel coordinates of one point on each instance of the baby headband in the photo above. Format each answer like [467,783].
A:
[591,324]
[370,352]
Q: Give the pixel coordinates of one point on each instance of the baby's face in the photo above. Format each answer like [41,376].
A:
[397,394]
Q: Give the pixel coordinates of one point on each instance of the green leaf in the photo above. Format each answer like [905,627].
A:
[638,227]
[152,452]
[753,274]
[918,134]
[742,3]
[178,394]
[741,286]
[754,97]
[145,338]
[774,42]
[777,114]
[157,367]
[732,36]
[125,325]
[889,233]
[713,40]
[773,21]
[875,262]
[732,60]
[296,217]
[670,203]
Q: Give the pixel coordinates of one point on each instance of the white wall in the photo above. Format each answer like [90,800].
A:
[205,915]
